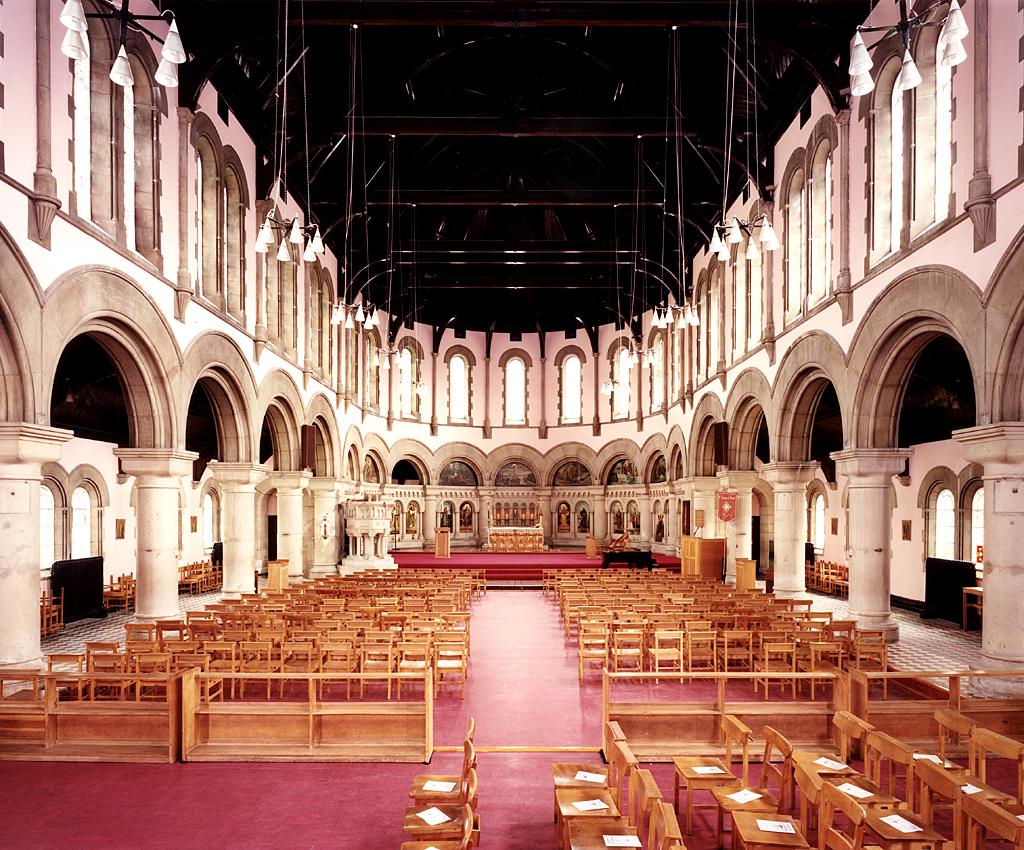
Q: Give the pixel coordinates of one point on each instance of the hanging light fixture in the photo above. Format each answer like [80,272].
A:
[121,73]
[73,46]
[295,234]
[73,16]
[769,240]
[337,314]
[283,254]
[752,252]
[735,234]
[309,255]
[950,46]
[359,313]
[349,323]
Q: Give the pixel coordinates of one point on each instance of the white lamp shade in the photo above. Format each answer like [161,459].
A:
[73,46]
[910,77]
[723,252]
[769,239]
[167,74]
[735,234]
[367,323]
[862,84]
[860,59]
[266,235]
[336,314]
[752,252]
[385,363]
[376,358]
[953,53]
[681,321]
[173,50]
[309,255]
[716,241]
[955,27]
[359,313]
[283,254]
[295,234]
[121,73]
[73,16]
[694,318]
[349,324]
[260,247]
[376,318]
[318,243]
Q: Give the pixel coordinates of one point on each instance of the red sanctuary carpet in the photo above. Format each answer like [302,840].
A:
[511,565]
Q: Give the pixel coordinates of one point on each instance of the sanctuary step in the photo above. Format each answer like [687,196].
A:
[512,566]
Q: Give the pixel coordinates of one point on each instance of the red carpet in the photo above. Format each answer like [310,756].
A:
[511,565]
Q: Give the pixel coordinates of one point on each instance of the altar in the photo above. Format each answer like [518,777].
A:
[512,539]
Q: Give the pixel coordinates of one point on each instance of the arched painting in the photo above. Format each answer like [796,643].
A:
[396,518]
[572,473]
[564,512]
[633,511]
[624,472]
[371,475]
[515,474]
[677,473]
[447,512]
[618,518]
[411,519]
[466,518]
[583,518]
[659,472]
[458,474]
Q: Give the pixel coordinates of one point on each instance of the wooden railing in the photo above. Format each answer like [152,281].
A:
[670,724]
[305,727]
[909,713]
[65,717]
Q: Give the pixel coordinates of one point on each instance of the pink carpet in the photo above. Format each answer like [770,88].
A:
[522,689]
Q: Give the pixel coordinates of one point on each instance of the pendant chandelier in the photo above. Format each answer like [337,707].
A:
[950,48]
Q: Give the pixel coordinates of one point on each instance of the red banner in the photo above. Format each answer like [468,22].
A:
[725,504]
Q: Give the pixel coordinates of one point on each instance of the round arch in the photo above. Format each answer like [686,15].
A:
[321,414]
[702,445]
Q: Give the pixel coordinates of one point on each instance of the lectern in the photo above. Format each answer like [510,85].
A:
[442,543]
[277,574]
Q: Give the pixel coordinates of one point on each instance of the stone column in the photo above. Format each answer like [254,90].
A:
[737,530]
[392,386]
[43,202]
[289,487]
[999,448]
[543,429]
[429,519]
[24,449]
[789,482]
[980,204]
[600,517]
[325,516]
[158,474]
[238,521]
[183,281]
[433,393]
[868,474]
[487,395]
[544,509]
[704,489]
[645,519]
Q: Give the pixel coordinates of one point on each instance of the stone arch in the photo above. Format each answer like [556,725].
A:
[749,401]
[1004,334]
[564,452]
[938,475]
[702,444]
[320,410]
[216,360]
[612,453]
[469,454]
[813,361]
[654,447]
[20,302]
[513,452]
[113,309]
[280,404]
[677,452]
[417,454]
[86,473]
[918,307]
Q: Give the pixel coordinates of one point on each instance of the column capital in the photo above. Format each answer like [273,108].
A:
[325,486]
[238,475]
[21,442]
[156,463]
[704,484]
[289,480]
[999,447]
[738,479]
[871,466]
[789,475]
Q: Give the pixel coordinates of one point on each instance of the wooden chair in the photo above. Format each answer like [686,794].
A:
[982,817]
[938,786]
[255,656]
[701,650]
[870,652]
[338,656]
[705,773]
[735,650]
[105,683]
[456,832]
[418,791]
[463,790]
[412,657]
[451,665]
[954,728]
[850,733]
[737,734]
[223,659]
[73,684]
[776,658]
[663,828]
[643,794]
[140,632]
[823,657]
[830,836]
[592,646]
[985,743]
[666,651]
[152,664]
[884,757]
[628,648]
[621,764]
[778,772]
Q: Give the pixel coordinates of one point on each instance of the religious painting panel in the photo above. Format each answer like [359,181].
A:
[371,475]
[618,518]
[564,512]
[396,518]
[458,474]
[515,474]
[412,519]
[624,472]
[633,511]
[466,518]
[583,518]
[447,516]
[572,473]
[659,472]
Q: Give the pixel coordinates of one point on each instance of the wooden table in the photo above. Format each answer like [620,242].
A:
[588,833]
[697,781]
[565,777]
[418,830]
[746,833]
[890,838]
[978,603]
[566,811]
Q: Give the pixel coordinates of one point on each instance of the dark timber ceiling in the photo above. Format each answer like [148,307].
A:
[518,192]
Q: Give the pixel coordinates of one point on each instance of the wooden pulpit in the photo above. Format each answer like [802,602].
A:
[442,543]
[277,574]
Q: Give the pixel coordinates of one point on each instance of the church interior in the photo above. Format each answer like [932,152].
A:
[556,424]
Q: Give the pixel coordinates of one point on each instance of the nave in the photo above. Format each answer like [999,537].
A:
[523,691]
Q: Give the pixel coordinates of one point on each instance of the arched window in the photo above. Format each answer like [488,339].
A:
[407,376]
[657,393]
[944,525]
[821,222]
[886,120]
[739,300]
[47,527]
[208,206]
[515,392]
[755,310]
[818,523]
[324,325]
[373,358]
[715,347]
[458,389]
[142,161]
[352,361]
[82,129]
[81,523]
[211,521]
[572,390]
[977,523]
[622,390]
[234,239]
[288,277]
[932,128]
[795,244]
[271,268]
[106,130]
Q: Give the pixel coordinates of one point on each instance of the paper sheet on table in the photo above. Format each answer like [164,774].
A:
[590,805]
[928,757]
[707,769]
[901,824]
[776,826]
[970,789]
[585,776]
[621,841]
[854,790]
[436,785]
[831,764]
[433,816]
[744,796]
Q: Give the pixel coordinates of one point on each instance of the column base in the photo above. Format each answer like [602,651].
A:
[878,623]
[791,593]
[150,617]
[995,687]
[323,569]
[357,565]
